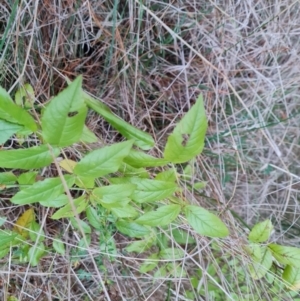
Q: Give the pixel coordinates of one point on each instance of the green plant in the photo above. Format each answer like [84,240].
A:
[113,188]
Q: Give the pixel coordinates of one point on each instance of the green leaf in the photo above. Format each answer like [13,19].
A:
[6,237]
[7,129]
[132,229]
[27,178]
[140,159]
[140,246]
[42,191]
[2,220]
[88,136]
[152,190]
[286,255]
[56,202]
[150,264]
[204,222]
[261,231]
[93,217]
[59,246]
[182,237]
[114,195]
[35,254]
[4,252]
[85,182]
[103,161]
[59,128]
[25,96]
[141,139]
[29,158]
[292,276]
[161,217]
[171,253]
[124,212]
[36,233]
[169,175]
[67,211]
[187,139]
[81,225]
[130,171]
[7,178]
[10,112]
[261,263]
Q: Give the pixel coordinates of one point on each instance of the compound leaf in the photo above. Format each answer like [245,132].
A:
[187,139]
[204,222]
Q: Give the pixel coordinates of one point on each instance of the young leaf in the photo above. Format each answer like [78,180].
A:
[132,229]
[35,253]
[161,217]
[29,158]
[10,112]
[59,127]
[261,231]
[141,139]
[204,222]
[103,161]
[261,263]
[187,139]
[42,191]
[24,222]
[7,129]
[140,159]
[292,276]
[59,246]
[286,255]
[67,211]
[152,190]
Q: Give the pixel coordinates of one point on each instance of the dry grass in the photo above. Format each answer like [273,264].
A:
[149,62]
